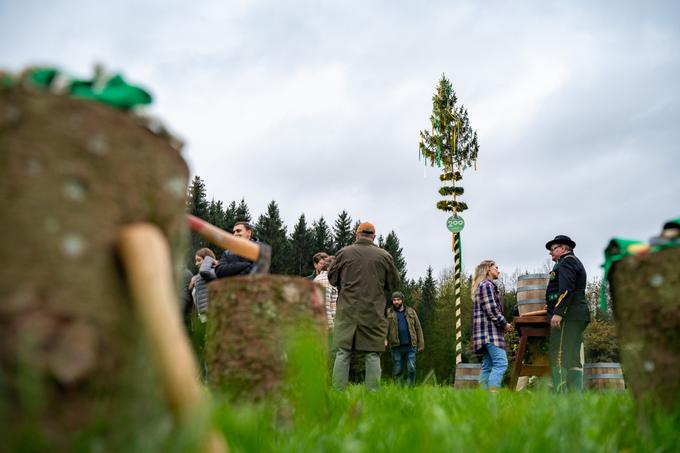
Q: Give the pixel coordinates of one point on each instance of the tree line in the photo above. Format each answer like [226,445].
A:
[430,296]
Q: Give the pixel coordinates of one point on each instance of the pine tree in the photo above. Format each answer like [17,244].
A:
[197,204]
[271,230]
[242,212]
[216,217]
[322,239]
[428,292]
[301,245]
[230,217]
[381,241]
[342,231]
[391,245]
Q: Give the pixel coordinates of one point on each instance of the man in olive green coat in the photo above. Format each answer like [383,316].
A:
[362,272]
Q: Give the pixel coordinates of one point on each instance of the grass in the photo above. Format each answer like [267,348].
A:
[430,418]
[309,417]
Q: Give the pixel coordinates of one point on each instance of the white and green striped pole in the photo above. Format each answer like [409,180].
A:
[455,225]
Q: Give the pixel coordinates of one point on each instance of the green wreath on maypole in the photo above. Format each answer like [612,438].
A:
[452,146]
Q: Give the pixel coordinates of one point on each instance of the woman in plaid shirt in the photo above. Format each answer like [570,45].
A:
[488,325]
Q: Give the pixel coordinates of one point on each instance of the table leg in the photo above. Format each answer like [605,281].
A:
[518,362]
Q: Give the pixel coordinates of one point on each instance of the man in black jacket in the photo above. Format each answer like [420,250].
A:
[231,264]
[568,314]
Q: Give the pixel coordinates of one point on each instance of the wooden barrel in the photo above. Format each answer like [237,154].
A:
[531,292]
[467,375]
[603,376]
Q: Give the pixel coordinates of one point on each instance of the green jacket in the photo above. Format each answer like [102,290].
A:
[362,272]
[414,329]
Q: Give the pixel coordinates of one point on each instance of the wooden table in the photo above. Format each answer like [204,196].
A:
[528,326]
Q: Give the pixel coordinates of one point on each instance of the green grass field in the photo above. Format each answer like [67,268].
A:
[309,416]
[430,418]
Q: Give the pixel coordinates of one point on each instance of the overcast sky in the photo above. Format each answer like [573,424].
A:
[318,106]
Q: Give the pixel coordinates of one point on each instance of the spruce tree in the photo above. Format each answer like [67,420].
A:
[242,212]
[230,217]
[342,231]
[301,245]
[197,204]
[271,230]
[216,217]
[391,245]
[426,308]
[321,236]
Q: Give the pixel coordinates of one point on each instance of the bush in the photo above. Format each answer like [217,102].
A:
[601,342]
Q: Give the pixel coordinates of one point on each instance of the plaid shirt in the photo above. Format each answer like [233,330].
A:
[331,296]
[488,322]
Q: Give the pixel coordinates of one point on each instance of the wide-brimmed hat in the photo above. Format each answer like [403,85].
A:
[561,240]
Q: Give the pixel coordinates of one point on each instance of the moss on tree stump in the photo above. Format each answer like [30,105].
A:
[646,297]
[249,324]
[74,363]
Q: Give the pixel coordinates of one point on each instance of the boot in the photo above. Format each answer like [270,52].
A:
[559,379]
[575,379]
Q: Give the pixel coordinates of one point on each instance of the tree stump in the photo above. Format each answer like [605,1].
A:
[74,362]
[646,301]
[250,322]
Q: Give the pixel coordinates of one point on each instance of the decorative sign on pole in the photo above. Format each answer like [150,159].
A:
[451,145]
[455,224]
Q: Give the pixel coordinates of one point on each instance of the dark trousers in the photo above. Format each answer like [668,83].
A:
[565,355]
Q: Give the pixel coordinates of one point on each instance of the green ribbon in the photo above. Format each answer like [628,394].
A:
[113,91]
[619,248]
[439,154]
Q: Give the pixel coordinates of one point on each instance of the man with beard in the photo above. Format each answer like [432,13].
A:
[404,337]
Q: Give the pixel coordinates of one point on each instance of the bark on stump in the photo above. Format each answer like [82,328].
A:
[646,299]
[74,362]
[250,321]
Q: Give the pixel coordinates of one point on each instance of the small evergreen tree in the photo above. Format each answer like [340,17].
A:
[230,217]
[197,204]
[391,245]
[242,212]
[271,230]
[301,245]
[342,231]
[321,236]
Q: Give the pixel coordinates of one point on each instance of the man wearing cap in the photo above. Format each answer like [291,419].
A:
[404,336]
[568,314]
[362,273]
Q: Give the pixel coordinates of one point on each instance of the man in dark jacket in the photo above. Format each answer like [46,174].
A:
[231,264]
[362,273]
[404,337]
[568,314]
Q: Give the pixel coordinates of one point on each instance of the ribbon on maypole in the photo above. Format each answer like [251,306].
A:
[451,145]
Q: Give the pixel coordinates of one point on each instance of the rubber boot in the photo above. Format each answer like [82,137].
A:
[559,378]
[575,379]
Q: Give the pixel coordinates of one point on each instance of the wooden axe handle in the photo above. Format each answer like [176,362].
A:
[242,247]
[145,256]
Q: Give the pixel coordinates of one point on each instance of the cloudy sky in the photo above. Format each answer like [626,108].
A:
[318,106]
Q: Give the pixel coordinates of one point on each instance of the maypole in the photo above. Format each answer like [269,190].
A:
[452,146]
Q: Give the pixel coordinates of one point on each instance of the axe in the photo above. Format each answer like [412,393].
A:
[259,253]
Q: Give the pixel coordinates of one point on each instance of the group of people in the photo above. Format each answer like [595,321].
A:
[566,310]
[357,278]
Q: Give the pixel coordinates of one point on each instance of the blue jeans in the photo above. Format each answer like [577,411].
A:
[494,364]
[401,354]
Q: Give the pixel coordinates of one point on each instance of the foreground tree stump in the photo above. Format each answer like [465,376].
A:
[75,368]
[250,321]
[646,298]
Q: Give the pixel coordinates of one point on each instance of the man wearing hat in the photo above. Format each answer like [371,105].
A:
[404,337]
[568,314]
[362,273]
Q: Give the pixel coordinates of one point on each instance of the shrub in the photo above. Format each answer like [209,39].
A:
[601,342]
